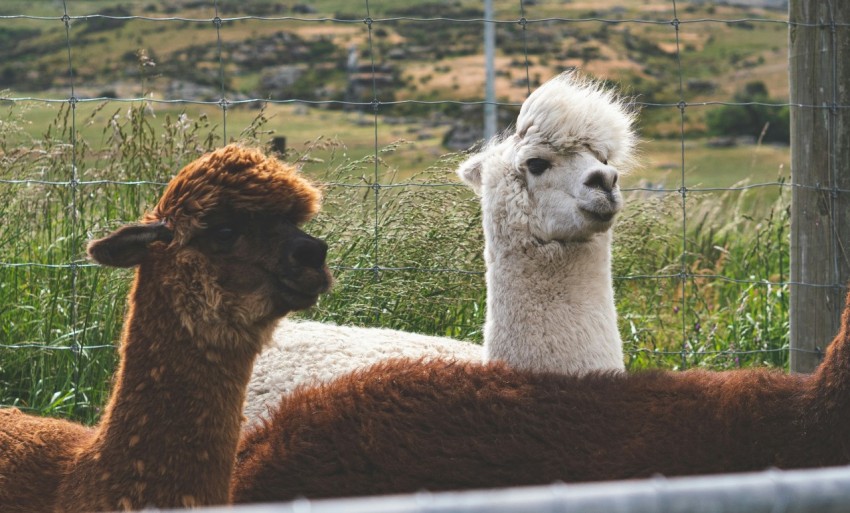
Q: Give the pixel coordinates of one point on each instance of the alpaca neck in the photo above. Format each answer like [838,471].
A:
[830,401]
[551,307]
[169,432]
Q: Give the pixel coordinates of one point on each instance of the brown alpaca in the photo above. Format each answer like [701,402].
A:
[404,426]
[219,260]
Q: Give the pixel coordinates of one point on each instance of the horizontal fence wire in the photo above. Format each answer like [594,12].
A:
[368,20]
[227,101]
[390,103]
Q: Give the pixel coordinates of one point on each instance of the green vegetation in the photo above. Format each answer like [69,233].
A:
[58,323]
[735,243]
[61,316]
[421,230]
[757,121]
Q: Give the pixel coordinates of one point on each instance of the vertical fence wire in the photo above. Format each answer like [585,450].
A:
[223,99]
[523,22]
[76,346]
[683,189]
[838,249]
[376,185]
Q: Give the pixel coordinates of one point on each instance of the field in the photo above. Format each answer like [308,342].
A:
[126,137]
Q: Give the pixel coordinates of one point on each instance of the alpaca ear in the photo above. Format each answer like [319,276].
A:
[128,245]
[470,172]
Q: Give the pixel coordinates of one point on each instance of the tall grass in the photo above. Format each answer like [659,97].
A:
[715,305]
[423,272]
[61,316]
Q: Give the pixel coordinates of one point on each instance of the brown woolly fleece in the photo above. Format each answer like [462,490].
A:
[219,260]
[404,426]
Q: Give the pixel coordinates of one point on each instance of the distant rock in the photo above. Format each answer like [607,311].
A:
[279,79]
[462,136]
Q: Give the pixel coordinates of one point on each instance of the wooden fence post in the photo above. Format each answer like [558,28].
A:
[819,67]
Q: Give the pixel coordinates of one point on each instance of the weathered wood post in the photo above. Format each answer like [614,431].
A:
[819,66]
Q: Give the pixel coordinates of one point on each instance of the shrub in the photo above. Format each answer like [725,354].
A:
[764,122]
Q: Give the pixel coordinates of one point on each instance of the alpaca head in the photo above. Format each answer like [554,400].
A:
[225,244]
[555,178]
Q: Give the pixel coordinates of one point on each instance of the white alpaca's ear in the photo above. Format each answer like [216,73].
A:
[128,245]
[470,172]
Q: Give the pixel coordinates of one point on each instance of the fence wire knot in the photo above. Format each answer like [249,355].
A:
[675,22]
[66,20]
[217,22]
[523,22]
[368,21]
[223,103]
[72,101]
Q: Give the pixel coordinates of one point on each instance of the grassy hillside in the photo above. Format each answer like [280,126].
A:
[289,56]
[428,59]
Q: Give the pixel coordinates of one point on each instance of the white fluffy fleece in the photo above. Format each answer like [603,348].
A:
[549,194]
[305,352]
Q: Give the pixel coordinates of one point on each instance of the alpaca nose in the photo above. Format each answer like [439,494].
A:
[604,179]
[308,252]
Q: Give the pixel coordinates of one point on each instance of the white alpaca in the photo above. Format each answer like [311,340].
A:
[548,199]
[549,194]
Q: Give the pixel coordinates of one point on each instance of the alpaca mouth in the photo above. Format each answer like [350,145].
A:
[601,217]
[308,286]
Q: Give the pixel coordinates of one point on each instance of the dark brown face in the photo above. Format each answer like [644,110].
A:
[265,258]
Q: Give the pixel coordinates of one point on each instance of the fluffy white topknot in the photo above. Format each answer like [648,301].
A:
[571,111]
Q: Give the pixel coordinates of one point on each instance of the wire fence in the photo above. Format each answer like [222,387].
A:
[205,81]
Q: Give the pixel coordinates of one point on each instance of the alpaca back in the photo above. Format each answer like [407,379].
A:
[309,353]
[403,426]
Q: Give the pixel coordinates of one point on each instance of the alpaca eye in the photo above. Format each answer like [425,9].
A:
[537,166]
[598,156]
[224,235]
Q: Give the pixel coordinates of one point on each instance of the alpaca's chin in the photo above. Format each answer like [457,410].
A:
[598,221]
[581,231]
[303,290]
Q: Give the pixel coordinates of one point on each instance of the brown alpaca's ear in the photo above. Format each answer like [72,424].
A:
[128,245]
[470,172]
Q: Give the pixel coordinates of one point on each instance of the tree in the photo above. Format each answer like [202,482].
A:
[752,116]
